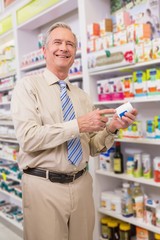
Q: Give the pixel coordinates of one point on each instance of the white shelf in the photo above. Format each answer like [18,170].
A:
[34,66]
[6,89]
[10,160]
[5,103]
[75,77]
[40,64]
[6,123]
[8,139]
[12,222]
[59,9]
[150,141]
[132,100]
[123,70]
[12,177]
[11,196]
[124,176]
[131,220]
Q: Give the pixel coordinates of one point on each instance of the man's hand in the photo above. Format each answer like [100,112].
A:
[94,121]
[124,122]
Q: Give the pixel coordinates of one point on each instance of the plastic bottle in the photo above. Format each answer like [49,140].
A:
[126,201]
[156,166]
[113,229]
[104,227]
[146,165]
[138,201]
[118,159]
[156,236]
[137,165]
[125,231]
[130,165]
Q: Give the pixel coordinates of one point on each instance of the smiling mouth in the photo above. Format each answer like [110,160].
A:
[62,56]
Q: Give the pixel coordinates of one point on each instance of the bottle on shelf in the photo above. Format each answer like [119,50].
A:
[113,229]
[130,165]
[126,201]
[104,227]
[118,159]
[125,231]
[137,165]
[138,201]
[156,236]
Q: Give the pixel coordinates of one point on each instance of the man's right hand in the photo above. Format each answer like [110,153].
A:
[94,121]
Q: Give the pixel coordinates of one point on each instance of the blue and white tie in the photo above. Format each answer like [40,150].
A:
[73,145]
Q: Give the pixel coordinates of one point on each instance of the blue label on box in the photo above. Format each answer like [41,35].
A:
[122,113]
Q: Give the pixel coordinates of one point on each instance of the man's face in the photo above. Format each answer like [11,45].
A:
[60,50]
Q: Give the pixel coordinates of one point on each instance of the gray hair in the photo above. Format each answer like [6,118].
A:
[54,26]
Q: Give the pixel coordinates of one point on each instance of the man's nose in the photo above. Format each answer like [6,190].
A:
[63,46]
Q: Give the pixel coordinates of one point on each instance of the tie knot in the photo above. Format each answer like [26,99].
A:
[62,84]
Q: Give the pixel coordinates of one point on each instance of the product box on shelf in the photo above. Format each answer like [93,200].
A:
[120,38]
[150,208]
[147,50]
[153,81]
[140,83]
[105,26]
[133,131]
[112,57]
[93,30]
[142,32]
[107,41]
[128,86]
[116,88]
[156,48]
[110,89]
[103,90]
[157,126]
[121,19]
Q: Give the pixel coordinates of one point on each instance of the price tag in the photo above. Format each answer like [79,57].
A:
[4,176]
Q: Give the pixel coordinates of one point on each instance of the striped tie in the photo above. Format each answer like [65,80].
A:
[73,145]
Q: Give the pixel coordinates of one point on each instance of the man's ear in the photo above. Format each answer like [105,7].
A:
[44,51]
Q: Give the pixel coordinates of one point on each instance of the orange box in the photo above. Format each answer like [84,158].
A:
[93,30]
[142,32]
[106,26]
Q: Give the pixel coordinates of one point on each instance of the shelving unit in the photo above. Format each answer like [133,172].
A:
[25,38]
[130,220]
[147,107]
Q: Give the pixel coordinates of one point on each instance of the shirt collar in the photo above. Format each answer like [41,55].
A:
[51,78]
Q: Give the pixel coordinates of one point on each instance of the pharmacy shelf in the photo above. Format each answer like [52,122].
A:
[132,100]
[12,178]
[13,196]
[101,238]
[5,103]
[33,66]
[12,224]
[6,89]
[10,160]
[41,64]
[75,76]
[149,141]
[8,139]
[123,70]
[126,177]
[6,123]
[131,220]
[57,10]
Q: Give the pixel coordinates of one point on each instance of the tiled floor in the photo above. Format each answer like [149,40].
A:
[7,234]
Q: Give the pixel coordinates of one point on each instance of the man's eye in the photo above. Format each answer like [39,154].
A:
[57,42]
[70,44]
